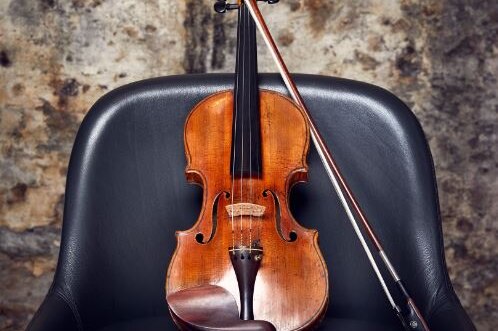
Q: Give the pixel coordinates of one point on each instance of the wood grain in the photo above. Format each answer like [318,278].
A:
[291,289]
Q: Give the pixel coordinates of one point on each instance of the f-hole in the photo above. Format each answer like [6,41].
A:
[199,237]
[278,215]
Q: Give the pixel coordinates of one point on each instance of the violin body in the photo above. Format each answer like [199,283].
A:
[254,249]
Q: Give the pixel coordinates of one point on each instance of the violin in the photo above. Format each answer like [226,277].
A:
[262,138]
[247,148]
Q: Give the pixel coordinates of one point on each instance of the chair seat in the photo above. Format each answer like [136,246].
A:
[328,324]
[126,196]
[343,324]
[213,308]
[144,324]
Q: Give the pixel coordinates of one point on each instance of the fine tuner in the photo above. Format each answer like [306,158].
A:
[222,6]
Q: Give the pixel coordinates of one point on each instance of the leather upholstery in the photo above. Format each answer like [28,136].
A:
[126,195]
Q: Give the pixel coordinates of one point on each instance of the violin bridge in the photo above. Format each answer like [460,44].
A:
[245,209]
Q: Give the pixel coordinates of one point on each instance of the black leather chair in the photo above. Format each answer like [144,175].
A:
[126,195]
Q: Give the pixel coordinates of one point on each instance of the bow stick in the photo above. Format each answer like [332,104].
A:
[410,317]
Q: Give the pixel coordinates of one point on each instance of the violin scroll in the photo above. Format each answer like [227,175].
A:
[222,6]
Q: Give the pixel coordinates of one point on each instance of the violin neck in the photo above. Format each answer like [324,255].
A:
[246,138]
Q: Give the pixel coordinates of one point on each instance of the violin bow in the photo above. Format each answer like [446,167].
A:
[410,317]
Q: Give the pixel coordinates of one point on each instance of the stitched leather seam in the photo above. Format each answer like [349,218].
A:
[432,309]
[436,304]
[72,305]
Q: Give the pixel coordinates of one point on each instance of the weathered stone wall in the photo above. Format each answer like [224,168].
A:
[58,56]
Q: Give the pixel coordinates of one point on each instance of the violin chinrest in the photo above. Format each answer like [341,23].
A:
[210,308]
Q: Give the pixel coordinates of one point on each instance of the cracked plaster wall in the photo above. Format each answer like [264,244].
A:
[58,56]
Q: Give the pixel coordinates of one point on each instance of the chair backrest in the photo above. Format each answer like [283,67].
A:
[127,194]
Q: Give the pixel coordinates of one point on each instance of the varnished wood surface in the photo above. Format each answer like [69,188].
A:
[291,289]
[210,308]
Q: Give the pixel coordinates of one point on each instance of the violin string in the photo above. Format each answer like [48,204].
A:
[258,155]
[260,221]
[233,174]
[233,190]
[250,105]
[234,140]
[258,117]
[244,87]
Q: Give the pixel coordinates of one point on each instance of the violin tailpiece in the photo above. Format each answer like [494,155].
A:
[246,262]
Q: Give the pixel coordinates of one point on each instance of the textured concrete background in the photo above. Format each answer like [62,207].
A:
[58,56]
